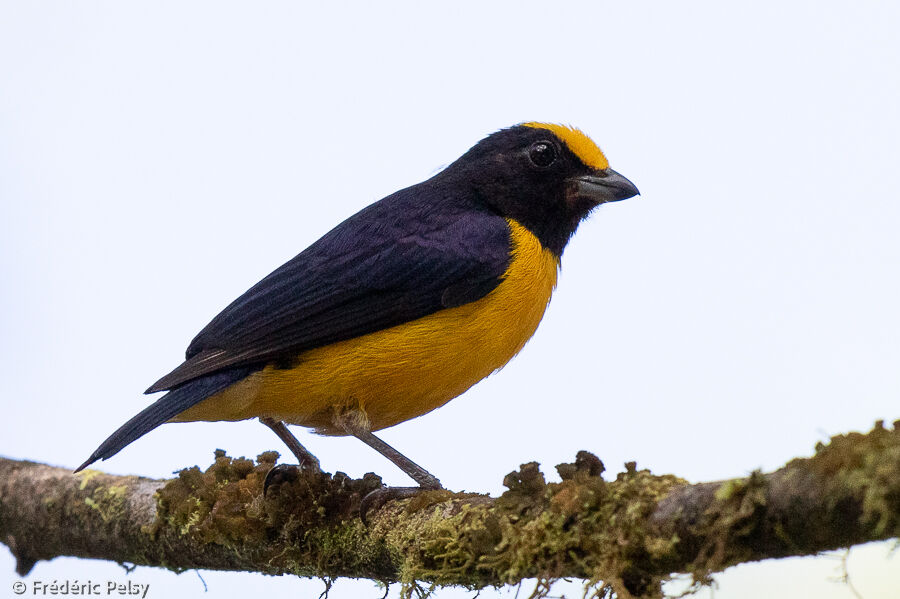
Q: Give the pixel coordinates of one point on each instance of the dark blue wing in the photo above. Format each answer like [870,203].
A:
[400,259]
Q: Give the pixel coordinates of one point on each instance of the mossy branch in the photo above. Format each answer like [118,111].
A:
[623,536]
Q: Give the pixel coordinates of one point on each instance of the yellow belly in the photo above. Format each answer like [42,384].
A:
[402,372]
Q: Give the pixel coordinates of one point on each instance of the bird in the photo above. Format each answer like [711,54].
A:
[401,307]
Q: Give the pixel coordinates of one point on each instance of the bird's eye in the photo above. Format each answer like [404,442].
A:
[542,154]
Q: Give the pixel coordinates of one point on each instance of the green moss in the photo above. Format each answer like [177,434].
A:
[307,526]
[866,464]
[86,477]
[534,529]
[538,529]
[728,489]
[109,501]
[851,470]
[584,525]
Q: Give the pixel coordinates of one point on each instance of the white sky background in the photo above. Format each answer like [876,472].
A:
[156,159]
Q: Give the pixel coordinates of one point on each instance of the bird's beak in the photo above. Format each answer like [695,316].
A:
[601,186]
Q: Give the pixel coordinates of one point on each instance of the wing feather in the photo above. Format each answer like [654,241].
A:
[395,261]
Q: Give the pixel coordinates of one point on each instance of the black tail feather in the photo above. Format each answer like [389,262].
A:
[164,409]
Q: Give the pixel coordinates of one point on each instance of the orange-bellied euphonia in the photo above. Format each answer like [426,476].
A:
[401,307]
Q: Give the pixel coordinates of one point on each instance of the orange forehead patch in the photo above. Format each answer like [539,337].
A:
[580,144]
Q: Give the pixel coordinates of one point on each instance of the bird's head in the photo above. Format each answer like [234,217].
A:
[547,177]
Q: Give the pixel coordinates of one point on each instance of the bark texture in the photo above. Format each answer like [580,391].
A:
[623,536]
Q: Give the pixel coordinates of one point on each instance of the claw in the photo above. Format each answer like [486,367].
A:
[282,473]
[286,473]
[377,498]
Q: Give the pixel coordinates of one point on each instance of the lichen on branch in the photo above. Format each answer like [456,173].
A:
[624,535]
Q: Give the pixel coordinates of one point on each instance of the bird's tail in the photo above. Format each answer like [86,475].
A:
[164,409]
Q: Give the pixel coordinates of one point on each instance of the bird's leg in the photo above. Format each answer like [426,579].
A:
[376,499]
[425,479]
[306,459]
[287,472]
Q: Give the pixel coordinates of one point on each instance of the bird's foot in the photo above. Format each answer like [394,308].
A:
[286,473]
[376,500]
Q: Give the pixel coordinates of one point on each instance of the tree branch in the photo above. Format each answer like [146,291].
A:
[624,536]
